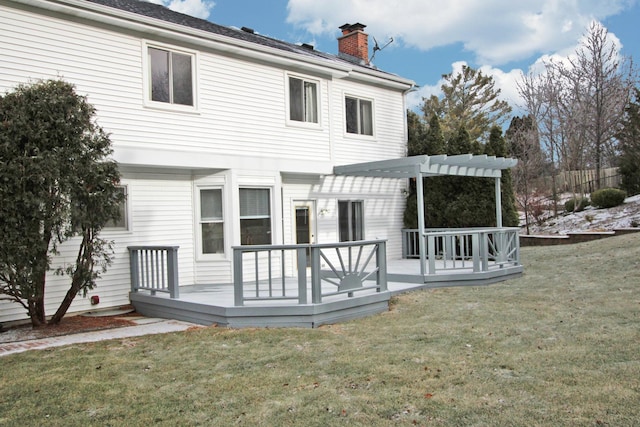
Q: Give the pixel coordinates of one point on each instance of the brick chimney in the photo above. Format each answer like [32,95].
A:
[354,43]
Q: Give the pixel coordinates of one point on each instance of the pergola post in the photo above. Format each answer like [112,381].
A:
[498,204]
[421,232]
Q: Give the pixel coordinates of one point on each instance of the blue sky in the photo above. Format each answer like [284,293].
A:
[504,38]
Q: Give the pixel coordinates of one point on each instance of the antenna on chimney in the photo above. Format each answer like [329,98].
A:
[377,47]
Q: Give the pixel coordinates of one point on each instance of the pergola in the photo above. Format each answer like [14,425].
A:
[419,167]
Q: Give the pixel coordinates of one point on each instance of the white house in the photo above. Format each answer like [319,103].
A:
[224,137]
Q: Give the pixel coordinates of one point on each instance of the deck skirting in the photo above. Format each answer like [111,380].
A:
[304,316]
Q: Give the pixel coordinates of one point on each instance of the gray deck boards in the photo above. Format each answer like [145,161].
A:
[214,303]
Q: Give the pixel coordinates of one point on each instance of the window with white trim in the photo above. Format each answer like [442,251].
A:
[359,115]
[350,220]
[122,223]
[171,76]
[255,216]
[211,221]
[303,100]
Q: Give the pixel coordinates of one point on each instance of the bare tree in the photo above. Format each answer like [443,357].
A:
[578,106]
[540,94]
[524,144]
[600,83]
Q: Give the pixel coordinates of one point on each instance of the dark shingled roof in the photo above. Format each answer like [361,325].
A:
[156,11]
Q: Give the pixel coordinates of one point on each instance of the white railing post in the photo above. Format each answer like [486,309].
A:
[475,247]
[405,243]
[484,250]
[431,253]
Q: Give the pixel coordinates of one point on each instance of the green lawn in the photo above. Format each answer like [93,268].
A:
[559,346]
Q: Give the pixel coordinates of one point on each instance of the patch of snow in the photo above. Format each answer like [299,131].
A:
[626,215]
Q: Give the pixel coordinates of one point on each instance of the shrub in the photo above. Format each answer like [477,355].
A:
[608,197]
[571,205]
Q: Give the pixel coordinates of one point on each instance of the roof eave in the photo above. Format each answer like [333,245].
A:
[216,42]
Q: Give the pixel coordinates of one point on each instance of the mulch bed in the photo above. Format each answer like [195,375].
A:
[68,325]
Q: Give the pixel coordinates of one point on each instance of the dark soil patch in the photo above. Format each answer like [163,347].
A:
[68,325]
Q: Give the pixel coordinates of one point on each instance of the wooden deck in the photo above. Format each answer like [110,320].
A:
[214,304]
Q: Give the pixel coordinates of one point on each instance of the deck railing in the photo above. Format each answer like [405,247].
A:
[154,268]
[479,249]
[260,272]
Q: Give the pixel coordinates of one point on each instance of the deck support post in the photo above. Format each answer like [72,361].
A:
[133,268]
[381,260]
[172,272]
[316,281]
[238,298]
[475,249]
[302,274]
[498,204]
[421,232]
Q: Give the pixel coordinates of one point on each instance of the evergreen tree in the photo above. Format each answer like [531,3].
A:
[434,186]
[434,141]
[497,146]
[56,182]
[629,139]
[470,99]
[415,134]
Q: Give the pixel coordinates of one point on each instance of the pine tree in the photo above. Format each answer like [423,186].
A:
[629,139]
[470,99]
[497,146]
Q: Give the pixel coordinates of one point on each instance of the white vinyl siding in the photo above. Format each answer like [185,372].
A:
[161,214]
[239,121]
[389,138]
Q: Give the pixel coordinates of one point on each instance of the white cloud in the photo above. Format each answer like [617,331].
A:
[198,8]
[495,31]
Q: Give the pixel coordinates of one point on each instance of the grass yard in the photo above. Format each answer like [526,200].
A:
[559,346]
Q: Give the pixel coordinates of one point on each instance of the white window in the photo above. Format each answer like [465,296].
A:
[122,223]
[171,76]
[303,100]
[255,216]
[350,220]
[211,221]
[359,115]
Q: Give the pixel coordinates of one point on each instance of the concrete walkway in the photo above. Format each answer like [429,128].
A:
[144,326]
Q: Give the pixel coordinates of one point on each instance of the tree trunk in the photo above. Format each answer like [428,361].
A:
[36,311]
[84,266]
[65,304]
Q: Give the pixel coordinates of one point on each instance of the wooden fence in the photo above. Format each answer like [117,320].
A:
[584,180]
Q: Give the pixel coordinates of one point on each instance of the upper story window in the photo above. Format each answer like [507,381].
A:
[171,76]
[359,115]
[303,100]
